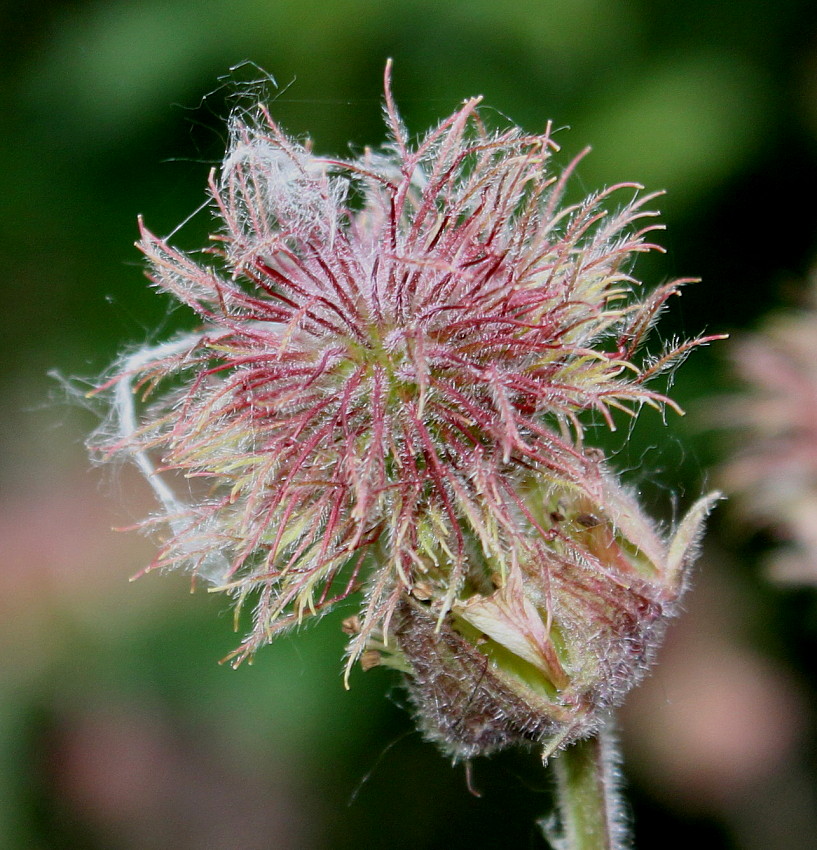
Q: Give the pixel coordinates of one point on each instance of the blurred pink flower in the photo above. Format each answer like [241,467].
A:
[773,474]
[135,781]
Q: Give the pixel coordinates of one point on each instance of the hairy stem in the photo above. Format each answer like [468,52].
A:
[588,796]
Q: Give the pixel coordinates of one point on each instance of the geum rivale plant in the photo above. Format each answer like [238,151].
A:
[386,396]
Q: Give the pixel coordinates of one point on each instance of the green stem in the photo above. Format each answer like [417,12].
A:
[588,796]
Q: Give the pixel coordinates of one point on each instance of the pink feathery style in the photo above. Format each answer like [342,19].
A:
[386,395]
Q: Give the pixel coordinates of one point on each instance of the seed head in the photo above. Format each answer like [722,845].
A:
[395,357]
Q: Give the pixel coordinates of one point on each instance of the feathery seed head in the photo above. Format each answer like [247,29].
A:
[387,390]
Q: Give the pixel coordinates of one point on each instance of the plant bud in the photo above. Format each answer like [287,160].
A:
[575,623]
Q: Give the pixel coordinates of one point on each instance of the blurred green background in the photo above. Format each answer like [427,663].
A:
[118,729]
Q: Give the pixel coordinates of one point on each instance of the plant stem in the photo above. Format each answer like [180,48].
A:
[588,796]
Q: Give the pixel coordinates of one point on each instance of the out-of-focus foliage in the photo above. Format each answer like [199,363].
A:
[119,730]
